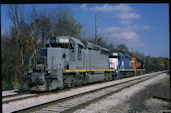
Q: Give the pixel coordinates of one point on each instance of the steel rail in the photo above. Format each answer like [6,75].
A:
[33,108]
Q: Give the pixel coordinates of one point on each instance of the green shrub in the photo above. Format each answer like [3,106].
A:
[7,85]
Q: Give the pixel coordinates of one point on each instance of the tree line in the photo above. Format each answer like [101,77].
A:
[30,29]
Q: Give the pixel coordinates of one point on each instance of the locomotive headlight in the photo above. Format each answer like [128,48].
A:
[30,71]
[57,40]
[46,66]
[49,71]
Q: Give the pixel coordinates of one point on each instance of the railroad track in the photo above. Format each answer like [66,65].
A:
[17,97]
[13,95]
[74,102]
[10,93]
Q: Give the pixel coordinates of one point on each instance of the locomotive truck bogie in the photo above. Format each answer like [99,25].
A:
[40,82]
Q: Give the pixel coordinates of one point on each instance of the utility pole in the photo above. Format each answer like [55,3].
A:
[96,29]
[132,50]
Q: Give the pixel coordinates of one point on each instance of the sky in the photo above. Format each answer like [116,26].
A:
[143,27]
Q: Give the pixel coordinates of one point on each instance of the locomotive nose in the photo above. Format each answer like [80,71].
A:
[34,80]
[38,81]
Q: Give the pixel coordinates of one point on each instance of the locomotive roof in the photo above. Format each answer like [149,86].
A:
[74,39]
[104,49]
[88,44]
[84,43]
[77,41]
[122,54]
[94,46]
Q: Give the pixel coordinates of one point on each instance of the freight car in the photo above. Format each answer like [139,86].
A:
[67,62]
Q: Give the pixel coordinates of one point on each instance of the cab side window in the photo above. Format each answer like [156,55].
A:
[72,47]
[79,57]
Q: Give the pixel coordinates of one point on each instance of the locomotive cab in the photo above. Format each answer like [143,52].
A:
[113,61]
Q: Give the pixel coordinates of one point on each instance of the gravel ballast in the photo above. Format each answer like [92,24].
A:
[116,102]
[17,105]
[145,101]
[9,92]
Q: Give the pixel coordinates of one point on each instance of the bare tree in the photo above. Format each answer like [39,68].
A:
[20,42]
[123,47]
[65,24]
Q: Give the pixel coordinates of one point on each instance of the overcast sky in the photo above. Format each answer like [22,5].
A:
[144,27]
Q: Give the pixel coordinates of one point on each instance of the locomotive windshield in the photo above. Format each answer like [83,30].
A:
[111,56]
[53,40]
[42,57]
[61,43]
[43,52]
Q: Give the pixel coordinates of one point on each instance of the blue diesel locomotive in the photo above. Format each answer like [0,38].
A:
[122,64]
